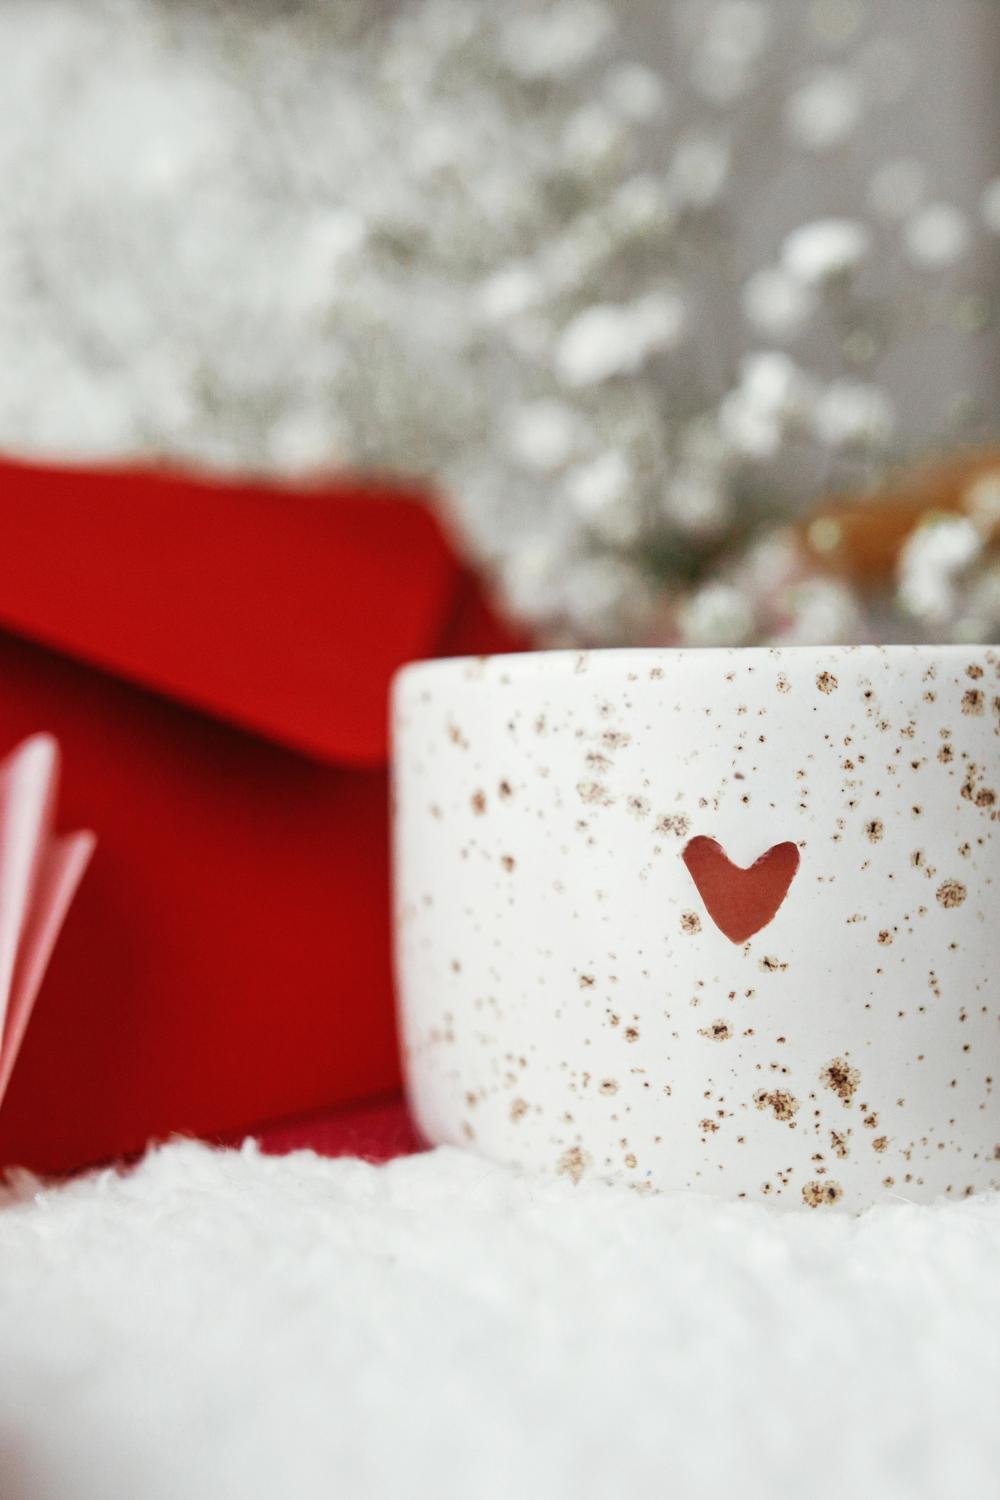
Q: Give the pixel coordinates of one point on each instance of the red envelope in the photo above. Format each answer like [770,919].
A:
[213,660]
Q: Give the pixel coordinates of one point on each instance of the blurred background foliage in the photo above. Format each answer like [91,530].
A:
[684,310]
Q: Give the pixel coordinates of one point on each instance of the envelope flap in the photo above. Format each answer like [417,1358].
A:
[284,611]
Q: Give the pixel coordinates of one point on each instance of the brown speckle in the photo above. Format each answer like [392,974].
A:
[719,1031]
[638,807]
[478,801]
[608,1086]
[951,893]
[690,922]
[594,793]
[506,790]
[880,1143]
[772,965]
[509,862]
[974,670]
[826,682]
[573,1163]
[816,1194]
[586,981]
[783,1105]
[973,701]
[518,1109]
[783,684]
[676,823]
[838,1143]
[839,1076]
[708,1126]
[631,1033]
[875,830]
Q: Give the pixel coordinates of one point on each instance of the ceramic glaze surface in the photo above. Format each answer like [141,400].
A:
[723,920]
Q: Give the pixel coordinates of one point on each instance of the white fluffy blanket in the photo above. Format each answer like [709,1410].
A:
[227,1326]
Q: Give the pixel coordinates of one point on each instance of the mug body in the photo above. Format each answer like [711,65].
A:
[719,919]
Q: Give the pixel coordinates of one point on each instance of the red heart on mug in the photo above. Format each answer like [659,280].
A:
[740,902]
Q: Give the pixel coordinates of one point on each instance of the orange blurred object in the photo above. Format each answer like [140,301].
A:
[861,537]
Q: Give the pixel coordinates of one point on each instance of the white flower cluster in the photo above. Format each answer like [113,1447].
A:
[948,578]
[484,244]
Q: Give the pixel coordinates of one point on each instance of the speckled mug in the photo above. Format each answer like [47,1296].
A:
[723,920]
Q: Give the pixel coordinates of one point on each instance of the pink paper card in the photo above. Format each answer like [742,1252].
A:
[39,875]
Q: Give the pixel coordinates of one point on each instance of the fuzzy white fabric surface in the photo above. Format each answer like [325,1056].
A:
[227,1326]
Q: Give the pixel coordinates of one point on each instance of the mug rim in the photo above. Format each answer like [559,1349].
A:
[528,663]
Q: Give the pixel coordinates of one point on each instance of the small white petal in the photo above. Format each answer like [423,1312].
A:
[601,494]
[775,382]
[558,40]
[734,37]
[641,204]
[508,293]
[776,303]
[825,111]
[592,136]
[717,615]
[853,414]
[820,611]
[636,92]
[543,434]
[305,440]
[616,339]
[773,397]
[599,485]
[937,235]
[696,503]
[825,249]
[931,563]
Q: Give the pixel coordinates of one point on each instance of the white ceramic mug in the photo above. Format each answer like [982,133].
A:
[723,920]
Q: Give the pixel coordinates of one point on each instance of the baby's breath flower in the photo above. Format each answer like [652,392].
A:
[719,614]
[931,564]
[825,111]
[851,414]
[491,244]
[776,303]
[937,235]
[825,250]
[617,339]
